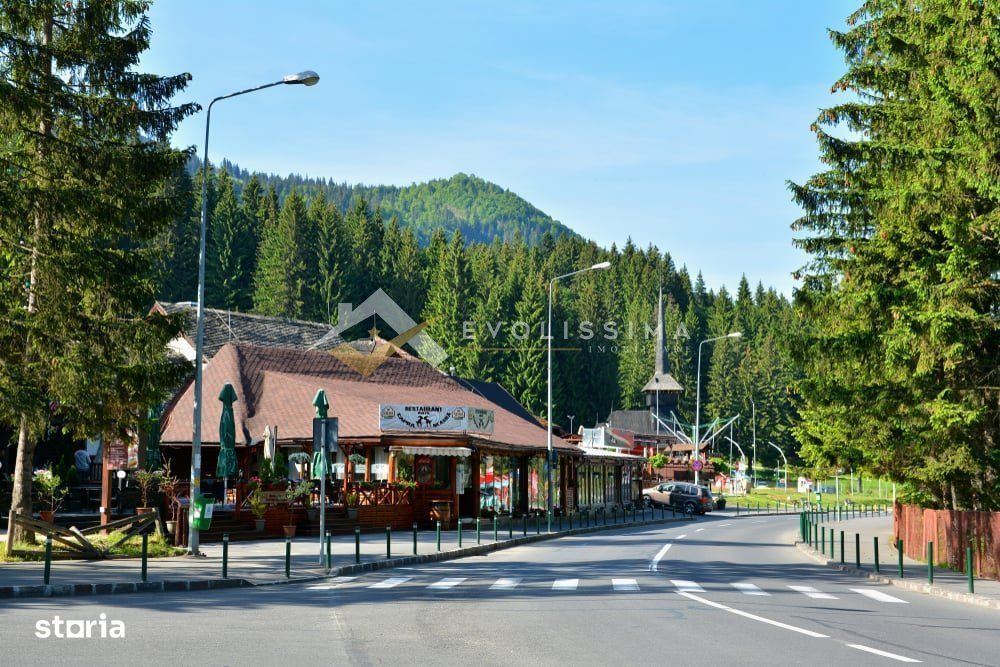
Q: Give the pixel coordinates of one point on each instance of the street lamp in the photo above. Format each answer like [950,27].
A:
[697,400]
[753,464]
[552,283]
[306,78]
[571,418]
[786,462]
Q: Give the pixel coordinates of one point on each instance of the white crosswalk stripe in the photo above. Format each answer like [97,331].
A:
[685,586]
[337,583]
[447,582]
[879,596]
[505,584]
[565,584]
[813,593]
[392,582]
[625,584]
[749,589]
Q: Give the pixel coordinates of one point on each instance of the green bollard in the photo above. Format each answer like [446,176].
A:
[930,562]
[478,531]
[875,544]
[604,511]
[970,568]
[560,522]
[524,525]
[842,547]
[145,556]
[437,531]
[538,524]
[357,544]
[288,557]
[414,538]
[571,521]
[614,515]
[459,532]
[899,551]
[822,540]
[815,535]
[494,528]
[225,555]
[46,576]
[329,551]
[388,542]
[857,550]
[510,526]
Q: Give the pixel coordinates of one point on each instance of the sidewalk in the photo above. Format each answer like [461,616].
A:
[262,562]
[947,583]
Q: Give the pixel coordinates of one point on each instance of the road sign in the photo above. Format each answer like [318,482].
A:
[321,424]
[697,464]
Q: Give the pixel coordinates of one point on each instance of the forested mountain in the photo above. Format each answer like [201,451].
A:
[302,255]
[480,210]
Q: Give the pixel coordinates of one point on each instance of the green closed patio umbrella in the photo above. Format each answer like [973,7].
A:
[153,458]
[225,467]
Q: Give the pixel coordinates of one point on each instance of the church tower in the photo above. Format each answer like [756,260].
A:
[662,389]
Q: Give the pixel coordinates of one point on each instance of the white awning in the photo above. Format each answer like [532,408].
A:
[432,451]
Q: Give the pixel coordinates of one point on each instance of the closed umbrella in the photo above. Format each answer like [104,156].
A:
[226,465]
[153,458]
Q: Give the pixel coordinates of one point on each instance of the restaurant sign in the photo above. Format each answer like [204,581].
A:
[460,418]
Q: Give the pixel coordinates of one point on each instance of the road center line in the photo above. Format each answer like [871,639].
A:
[681,537]
[738,612]
[884,654]
[698,530]
[654,565]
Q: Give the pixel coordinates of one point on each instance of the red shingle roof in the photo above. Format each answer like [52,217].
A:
[277,386]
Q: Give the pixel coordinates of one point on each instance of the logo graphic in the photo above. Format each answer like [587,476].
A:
[366,360]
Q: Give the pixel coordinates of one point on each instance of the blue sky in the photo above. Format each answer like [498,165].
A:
[673,123]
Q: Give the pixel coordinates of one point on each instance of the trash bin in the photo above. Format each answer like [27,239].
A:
[201,512]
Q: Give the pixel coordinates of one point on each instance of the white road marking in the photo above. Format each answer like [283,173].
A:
[813,593]
[698,530]
[681,537]
[338,582]
[738,612]
[749,589]
[505,584]
[683,585]
[392,582]
[625,584]
[879,595]
[654,565]
[884,654]
[723,525]
[447,582]
[565,584]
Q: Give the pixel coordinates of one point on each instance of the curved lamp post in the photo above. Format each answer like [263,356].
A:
[306,78]
[697,400]
[552,283]
[785,460]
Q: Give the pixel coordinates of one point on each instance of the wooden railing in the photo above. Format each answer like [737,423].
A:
[383,495]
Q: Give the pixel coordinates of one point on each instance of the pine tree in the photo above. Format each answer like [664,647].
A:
[526,376]
[330,262]
[902,343]
[364,230]
[179,244]
[280,280]
[86,137]
[449,305]
[228,277]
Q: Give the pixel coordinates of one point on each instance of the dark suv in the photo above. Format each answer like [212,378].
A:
[680,495]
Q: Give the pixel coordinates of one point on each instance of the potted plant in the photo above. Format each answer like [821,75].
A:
[258,506]
[293,493]
[50,492]
[147,480]
[352,500]
[169,486]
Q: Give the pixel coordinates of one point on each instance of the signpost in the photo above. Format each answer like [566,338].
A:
[325,432]
[697,465]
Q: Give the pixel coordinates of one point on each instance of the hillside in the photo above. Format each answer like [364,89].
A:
[481,210]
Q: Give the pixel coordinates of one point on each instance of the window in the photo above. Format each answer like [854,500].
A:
[380,463]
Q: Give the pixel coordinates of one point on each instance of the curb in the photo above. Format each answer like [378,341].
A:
[172,586]
[915,586]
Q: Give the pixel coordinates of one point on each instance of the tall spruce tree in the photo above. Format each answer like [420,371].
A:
[449,303]
[230,251]
[281,269]
[85,196]
[525,378]
[902,347]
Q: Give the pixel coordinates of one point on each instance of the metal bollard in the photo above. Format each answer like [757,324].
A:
[842,548]
[560,522]
[46,576]
[478,531]
[414,538]
[930,562]
[329,551]
[899,550]
[538,524]
[571,521]
[970,568]
[604,511]
[494,528]
[510,526]
[357,544]
[437,531]
[614,514]
[388,542]
[857,550]
[875,544]
[524,525]
[459,532]
[288,557]
[145,555]
[225,555]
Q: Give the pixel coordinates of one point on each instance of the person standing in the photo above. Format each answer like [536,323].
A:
[82,461]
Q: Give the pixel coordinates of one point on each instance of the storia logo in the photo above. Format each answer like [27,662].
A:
[379,303]
[102,628]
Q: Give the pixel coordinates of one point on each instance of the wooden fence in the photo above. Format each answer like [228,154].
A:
[951,531]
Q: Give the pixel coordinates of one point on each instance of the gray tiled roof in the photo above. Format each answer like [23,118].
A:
[224,326]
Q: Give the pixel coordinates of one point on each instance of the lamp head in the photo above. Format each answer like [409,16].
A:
[602,265]
[306,78]
[735,334]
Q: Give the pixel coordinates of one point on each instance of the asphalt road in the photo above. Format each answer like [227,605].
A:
[715,591]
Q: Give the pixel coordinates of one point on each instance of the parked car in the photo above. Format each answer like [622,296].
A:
[762,485]
[680,495]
